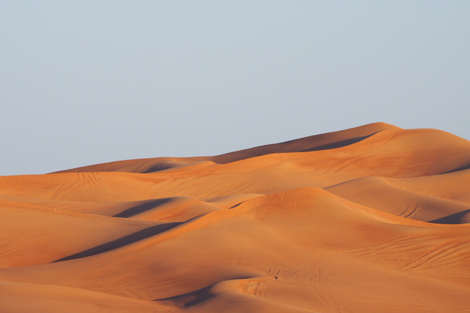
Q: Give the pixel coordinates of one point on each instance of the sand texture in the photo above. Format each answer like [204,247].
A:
[369,219]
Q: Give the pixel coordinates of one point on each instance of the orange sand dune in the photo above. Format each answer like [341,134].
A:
[378,193]
[318,142]
[370,219]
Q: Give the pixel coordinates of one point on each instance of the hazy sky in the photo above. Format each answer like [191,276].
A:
[85,82]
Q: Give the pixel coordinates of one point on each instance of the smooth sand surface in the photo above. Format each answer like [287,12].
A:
[369,219]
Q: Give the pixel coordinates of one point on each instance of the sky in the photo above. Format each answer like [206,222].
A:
[86,82]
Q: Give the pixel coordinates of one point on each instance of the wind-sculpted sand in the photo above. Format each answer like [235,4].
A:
[370,219]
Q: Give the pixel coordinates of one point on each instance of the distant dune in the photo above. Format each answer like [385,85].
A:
[368,219]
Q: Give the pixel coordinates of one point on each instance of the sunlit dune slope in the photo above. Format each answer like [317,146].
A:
[369,219]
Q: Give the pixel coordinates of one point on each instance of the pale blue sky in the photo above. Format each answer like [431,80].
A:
[85,82]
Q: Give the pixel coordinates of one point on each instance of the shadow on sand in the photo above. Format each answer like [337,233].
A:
[126,240]
[143,207]
[456,218]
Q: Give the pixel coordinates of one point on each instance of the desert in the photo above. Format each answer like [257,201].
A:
[368,219]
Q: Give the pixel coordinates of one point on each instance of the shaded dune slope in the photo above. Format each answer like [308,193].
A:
[312,143]
[368,219]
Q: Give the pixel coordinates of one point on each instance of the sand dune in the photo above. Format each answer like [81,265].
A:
[369,219]
[380,194]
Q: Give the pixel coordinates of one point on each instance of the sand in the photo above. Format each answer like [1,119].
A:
[369,219]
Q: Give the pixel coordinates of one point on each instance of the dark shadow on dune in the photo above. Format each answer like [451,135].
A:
[193,298]
[462,168]
[236,205]
[190,299]
[456,218]
[158,168]
[339,144]
[298,145]
[126,240]
[142,207]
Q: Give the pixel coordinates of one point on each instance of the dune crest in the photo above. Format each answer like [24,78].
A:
[369,219]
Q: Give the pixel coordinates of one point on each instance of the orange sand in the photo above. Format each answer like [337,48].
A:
[370,219]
